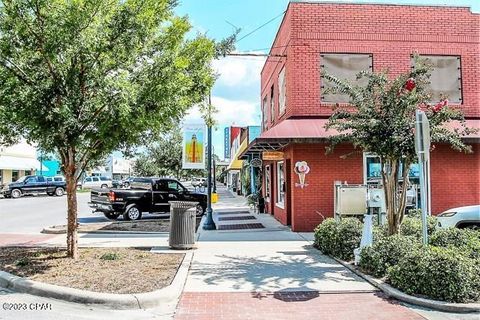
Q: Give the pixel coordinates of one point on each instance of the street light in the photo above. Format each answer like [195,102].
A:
[209,223]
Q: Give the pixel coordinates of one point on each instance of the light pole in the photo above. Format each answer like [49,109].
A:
[209,223]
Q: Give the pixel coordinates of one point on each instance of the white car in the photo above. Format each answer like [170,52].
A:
[462,217]
[96,182]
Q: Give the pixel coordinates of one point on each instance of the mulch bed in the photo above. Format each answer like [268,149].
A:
[109,270]
[135,226]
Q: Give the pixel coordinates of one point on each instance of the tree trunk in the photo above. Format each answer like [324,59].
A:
[70,176]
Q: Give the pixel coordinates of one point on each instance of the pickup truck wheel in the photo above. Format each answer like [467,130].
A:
[199,210]
[132,213]
[104,186]
[59,192]
[111,215]
[16,193]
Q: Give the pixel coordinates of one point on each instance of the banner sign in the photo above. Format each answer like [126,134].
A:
[193,146]
[226,144]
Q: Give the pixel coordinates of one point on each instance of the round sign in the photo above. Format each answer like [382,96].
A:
[256,163]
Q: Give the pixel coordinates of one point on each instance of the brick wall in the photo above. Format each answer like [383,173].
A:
[390,32]
[455,178]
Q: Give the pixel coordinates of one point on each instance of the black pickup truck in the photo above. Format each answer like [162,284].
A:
[33,185]
[144,195]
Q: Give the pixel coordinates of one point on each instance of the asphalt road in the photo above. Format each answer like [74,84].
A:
[30,214]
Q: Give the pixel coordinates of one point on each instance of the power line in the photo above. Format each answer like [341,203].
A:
[263,25]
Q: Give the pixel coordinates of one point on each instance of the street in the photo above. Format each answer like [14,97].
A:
[30,214]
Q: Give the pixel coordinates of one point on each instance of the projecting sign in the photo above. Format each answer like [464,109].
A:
[226,143]
[272,155]
[193,146]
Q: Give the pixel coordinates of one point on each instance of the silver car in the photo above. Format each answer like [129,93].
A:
[462,217]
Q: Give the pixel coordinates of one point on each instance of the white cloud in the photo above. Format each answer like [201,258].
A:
[230,112]
[234,71]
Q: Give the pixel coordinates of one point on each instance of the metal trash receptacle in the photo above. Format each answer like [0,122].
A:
[182,224]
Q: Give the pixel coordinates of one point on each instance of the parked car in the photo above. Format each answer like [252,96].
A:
[197,182]
[56,178]
[34,185]
[145,195]
[462,217]
[96,182]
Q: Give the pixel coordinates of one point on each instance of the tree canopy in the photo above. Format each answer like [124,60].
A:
[82,78]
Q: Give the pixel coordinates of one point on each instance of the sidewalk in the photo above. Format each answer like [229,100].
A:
[271,272]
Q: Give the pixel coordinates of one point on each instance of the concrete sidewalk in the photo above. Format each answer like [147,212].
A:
[275,273]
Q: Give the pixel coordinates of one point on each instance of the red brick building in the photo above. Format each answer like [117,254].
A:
[344,39]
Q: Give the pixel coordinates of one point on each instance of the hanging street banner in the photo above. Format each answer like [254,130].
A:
[193,146]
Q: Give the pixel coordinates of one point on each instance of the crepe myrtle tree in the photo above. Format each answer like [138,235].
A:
[82,78]
[380,119]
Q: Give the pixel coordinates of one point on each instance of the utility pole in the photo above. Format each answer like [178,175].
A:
[209,223]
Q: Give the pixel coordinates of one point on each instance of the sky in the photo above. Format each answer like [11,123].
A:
[236,93]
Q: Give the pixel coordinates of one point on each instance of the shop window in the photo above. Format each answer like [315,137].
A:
[280,184]
[264,113]
[272,105]
[344,67]
[282,92]
[373,170]
[445,78]
[267,183]
[28,172]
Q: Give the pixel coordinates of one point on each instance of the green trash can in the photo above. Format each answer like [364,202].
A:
[182,224]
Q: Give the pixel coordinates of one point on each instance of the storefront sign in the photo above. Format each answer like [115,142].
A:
[272,155]
[193,147]
[302,169]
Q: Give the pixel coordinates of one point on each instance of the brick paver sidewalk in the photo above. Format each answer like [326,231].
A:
[14,239]
[290,306]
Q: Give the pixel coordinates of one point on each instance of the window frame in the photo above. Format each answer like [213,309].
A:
[460,75]
[322,66]
[272,103]
[264,113]
[279,177]
[282,92]
[268,182]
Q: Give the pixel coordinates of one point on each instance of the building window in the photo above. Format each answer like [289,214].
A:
[282,92]
[267,183]
[15,175]
[264,113]
[28,172]
[445,78]
[344,67]
[280,185]
[272,105]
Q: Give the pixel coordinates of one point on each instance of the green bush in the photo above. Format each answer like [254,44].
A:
[465,240]
[439,273]
[412,226]
[386,252]
[339,239]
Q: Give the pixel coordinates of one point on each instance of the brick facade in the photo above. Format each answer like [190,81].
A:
[391,34]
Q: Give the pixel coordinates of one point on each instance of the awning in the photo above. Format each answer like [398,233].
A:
[18,163]
[286,132]
[236,163]
[313,131]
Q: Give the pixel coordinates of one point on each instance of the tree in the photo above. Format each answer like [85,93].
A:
[163,157]
[85,77]
[381,119]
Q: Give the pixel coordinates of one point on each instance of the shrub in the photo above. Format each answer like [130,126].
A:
[412,226]
[110,256]
[339,238]
[465,240]
[386,252]
[439,273]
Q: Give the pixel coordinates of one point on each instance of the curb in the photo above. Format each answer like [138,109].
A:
[399,295]
[146,300]
[61,231]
